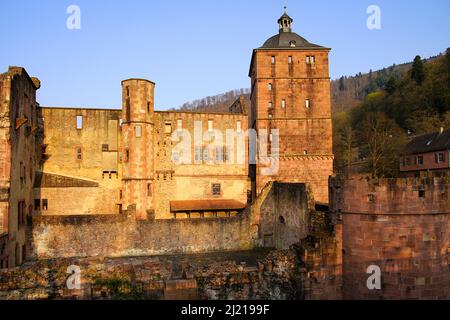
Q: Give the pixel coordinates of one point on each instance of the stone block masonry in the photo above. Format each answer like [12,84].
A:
[399,225]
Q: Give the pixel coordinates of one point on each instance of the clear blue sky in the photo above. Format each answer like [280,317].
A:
[193,49]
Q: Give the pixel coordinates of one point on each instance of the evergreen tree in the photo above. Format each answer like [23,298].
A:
[341,84]
[418,73]
[447,58]
[391,85]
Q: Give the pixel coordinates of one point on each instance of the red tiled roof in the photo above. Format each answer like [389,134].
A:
[205,205]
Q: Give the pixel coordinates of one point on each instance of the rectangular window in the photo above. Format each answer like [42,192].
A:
[79,154]
[310,59]
[197,152]
[180,124]
[270,105]
[79,122]
[307,104]
[273,59]
[219,154]
[105,147]
[216,189]
[127,155]
[283,104]
[138,131]
[206,154]
[419,160]
[440,157]
[168,128]
[270,87]
[407,161]
[37,204]
[210,126]
[148,107]
[290,60]
[44,204]
[227,153]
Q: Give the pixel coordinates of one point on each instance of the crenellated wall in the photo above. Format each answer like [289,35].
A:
[399,225]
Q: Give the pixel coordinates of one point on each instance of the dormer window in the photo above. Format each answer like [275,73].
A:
[292,44]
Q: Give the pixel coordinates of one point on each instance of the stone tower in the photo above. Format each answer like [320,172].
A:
[291,97]
[137,146]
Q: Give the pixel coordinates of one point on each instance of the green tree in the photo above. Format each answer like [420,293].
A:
[341,84]
[391,85]
[417,72]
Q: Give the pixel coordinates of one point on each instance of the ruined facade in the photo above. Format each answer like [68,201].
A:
[152,165]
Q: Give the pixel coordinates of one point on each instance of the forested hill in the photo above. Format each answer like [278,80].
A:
[217,103]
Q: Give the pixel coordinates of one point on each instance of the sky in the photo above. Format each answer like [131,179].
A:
[193,49]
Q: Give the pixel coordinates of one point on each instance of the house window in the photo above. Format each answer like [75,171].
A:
[216,189]
[307,103]
[290,59]
[273,60]
[79,154]
[44,204]
[238,126]
[37,204]
[407,161]
[210,125]
[419,160]
[421,193]
[283,104]
[168,128]
[440,157]
[138,131]
[79,122]
[270,87]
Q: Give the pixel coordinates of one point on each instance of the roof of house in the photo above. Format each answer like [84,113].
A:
[430,142]
[205,205]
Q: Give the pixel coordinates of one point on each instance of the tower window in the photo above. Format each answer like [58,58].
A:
[270,87]
[79,154]
[307,103]
[310,59]
[290,60]
[270,105]
[128,91]
[273,60]
[283,104]
[270,116]
[148,107]
[138,131]
[79,122]
[127,155]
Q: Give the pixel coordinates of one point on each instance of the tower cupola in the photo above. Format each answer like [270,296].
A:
[285,22]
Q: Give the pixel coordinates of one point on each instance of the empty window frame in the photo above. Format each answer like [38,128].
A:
[307,103]
[138,131]
[290,60]
[210,125]
[273,60]
[168,128]
[283,104]
[44,204]
[79,122]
